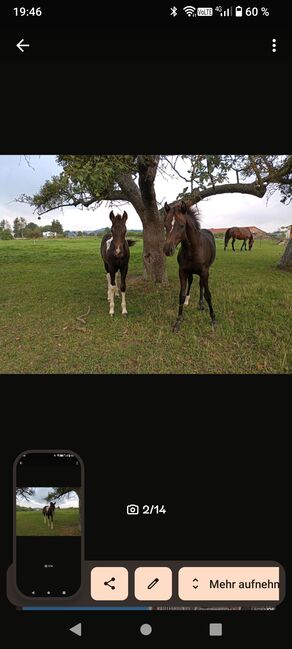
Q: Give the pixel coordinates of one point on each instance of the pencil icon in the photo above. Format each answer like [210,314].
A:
[153,583]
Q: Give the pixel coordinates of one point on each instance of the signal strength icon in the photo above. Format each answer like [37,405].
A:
[226,12]
[190,11]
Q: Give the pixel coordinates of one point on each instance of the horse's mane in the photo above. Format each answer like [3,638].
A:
[194,215]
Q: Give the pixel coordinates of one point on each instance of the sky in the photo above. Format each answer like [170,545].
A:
[38,500]
[17,177]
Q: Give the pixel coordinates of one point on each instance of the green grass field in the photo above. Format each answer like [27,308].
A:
[45,285]
[31,523]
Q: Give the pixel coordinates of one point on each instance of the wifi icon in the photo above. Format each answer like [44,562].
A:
[190,11]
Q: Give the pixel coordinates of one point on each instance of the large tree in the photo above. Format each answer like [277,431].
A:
[86,181]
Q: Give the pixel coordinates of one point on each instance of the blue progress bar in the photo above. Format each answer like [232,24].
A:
[86,608]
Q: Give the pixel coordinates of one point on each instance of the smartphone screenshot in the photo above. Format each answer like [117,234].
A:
[50,565]
[145,322]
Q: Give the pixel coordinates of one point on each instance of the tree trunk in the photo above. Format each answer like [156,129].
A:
[154,260]
[285,262]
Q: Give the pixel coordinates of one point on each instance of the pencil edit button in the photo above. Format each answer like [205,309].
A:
[229,583]
[111,584]
[153,583]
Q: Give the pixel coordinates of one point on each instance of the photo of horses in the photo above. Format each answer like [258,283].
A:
[48,511]
[146,264]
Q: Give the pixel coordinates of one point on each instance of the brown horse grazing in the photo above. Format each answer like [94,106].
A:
[115,253]
[239,233]
[197,253]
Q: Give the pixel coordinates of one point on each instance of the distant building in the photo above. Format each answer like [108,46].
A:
[49,235]
[289,232]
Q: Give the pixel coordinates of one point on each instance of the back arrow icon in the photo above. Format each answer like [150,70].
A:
[21,44]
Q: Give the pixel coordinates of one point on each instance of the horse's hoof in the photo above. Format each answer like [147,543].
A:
[201,307]
[112,315]
[214,322]
[125,313]
[176,326]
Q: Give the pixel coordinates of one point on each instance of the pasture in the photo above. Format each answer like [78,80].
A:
[47,284]
[31,523]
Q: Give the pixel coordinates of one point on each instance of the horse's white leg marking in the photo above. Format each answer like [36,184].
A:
[108,286]
[112,299]
[52,524]
[44,520]
[124,306]
[187,299]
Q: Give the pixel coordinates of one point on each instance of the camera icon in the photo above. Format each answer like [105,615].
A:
[132,510]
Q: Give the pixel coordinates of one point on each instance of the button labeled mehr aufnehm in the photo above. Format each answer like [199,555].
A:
[229,583]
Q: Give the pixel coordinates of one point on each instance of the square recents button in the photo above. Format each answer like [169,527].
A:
[109,583]
[215,628]
[153,583]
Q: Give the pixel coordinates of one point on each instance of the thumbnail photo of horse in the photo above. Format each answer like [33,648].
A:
[48,511]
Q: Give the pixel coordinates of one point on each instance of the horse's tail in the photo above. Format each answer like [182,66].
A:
[131,242]
[227,237]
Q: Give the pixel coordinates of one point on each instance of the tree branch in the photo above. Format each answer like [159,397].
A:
[241,188]
[116,195]
[111,195]
[173,166]
[131,192]
[25,492]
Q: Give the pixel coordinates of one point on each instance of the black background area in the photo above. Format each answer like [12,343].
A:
[218,473]
[63,553]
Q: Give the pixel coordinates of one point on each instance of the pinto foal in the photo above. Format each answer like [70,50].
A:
[48,514]
[116,254]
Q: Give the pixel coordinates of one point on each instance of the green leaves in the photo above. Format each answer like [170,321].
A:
[84,180]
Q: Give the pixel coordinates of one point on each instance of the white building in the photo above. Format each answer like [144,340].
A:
[48,235]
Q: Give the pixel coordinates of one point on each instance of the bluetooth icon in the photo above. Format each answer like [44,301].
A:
[173,11]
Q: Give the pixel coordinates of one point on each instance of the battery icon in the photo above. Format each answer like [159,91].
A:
[238,12]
